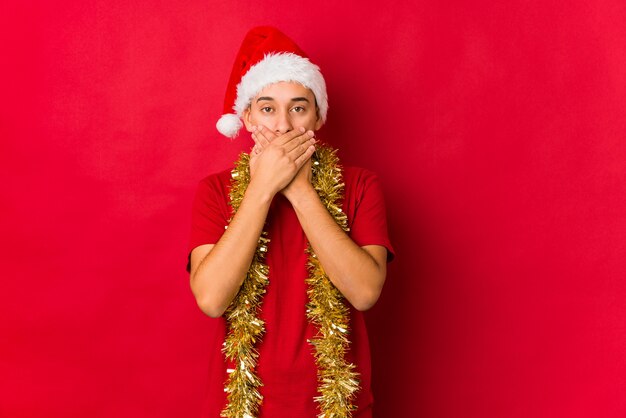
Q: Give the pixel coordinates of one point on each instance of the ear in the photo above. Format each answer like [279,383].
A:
[318,122]
[247,120]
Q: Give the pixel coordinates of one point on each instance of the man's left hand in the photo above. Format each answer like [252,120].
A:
[262,137]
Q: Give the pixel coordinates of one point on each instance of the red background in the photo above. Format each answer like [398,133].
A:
[497,128]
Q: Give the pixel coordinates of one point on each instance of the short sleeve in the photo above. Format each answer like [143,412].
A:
[369,226]
[208,217]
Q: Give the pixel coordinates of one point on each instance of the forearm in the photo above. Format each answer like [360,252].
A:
[218,276]
[357,275]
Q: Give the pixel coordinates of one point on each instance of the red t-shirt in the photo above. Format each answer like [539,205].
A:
[286,365]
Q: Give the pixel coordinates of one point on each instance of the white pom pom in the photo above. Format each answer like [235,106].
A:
[229,125]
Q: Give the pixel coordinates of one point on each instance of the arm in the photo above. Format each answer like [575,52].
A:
[217,271]
[358,272]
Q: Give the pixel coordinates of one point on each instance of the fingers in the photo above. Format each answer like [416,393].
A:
[267,133]
[294,142]
[261,136]
[308,152]
[291,135]
[306,138]
[302,150]
[300,146]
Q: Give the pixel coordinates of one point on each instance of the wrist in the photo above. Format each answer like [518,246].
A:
[259,194]
[300,195]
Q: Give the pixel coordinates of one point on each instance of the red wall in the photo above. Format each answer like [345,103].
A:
[498,129]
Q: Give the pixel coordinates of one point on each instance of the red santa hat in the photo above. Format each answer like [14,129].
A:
[267,56]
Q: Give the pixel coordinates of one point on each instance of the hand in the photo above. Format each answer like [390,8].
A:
[262,138]
[280,159]
[261,141]
[300,182]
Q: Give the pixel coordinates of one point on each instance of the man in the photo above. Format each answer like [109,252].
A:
[248,262]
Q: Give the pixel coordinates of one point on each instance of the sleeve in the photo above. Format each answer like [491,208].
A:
[369,226]
[208,219]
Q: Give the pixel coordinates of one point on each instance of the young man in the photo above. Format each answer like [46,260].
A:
[288,248]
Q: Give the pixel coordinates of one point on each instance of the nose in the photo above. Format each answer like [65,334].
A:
[283,123]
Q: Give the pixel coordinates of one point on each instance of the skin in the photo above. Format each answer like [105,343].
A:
[282,120]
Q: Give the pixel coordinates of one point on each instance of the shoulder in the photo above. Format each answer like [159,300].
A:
[360,185]
[220,177]
[213,190]
[358,180]
[218,182]
[358,174]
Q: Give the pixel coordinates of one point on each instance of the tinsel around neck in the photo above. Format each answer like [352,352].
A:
[327,310]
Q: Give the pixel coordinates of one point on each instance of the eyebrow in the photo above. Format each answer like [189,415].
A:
[295,99]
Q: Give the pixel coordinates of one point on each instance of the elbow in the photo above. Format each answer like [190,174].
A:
[370,286]
[366,300]
[212,300]
[210,308]
[369,295]
[364,304]
[207,303]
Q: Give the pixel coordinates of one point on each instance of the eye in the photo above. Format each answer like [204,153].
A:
[266,109]
[298,109]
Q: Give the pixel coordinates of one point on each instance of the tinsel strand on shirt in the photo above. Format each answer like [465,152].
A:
[337,379]
[244,327]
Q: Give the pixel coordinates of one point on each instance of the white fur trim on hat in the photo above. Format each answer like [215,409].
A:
[229,125]
[277,67]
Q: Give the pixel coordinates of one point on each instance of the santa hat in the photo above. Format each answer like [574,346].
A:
[267,56]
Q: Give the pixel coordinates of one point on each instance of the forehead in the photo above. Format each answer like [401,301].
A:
[285,90]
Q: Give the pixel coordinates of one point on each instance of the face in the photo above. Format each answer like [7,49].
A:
[282,107]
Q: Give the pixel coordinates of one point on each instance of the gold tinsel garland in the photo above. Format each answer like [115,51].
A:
[337,379]
[245,327]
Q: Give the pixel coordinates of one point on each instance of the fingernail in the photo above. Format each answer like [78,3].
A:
[311,134]
[302,129]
